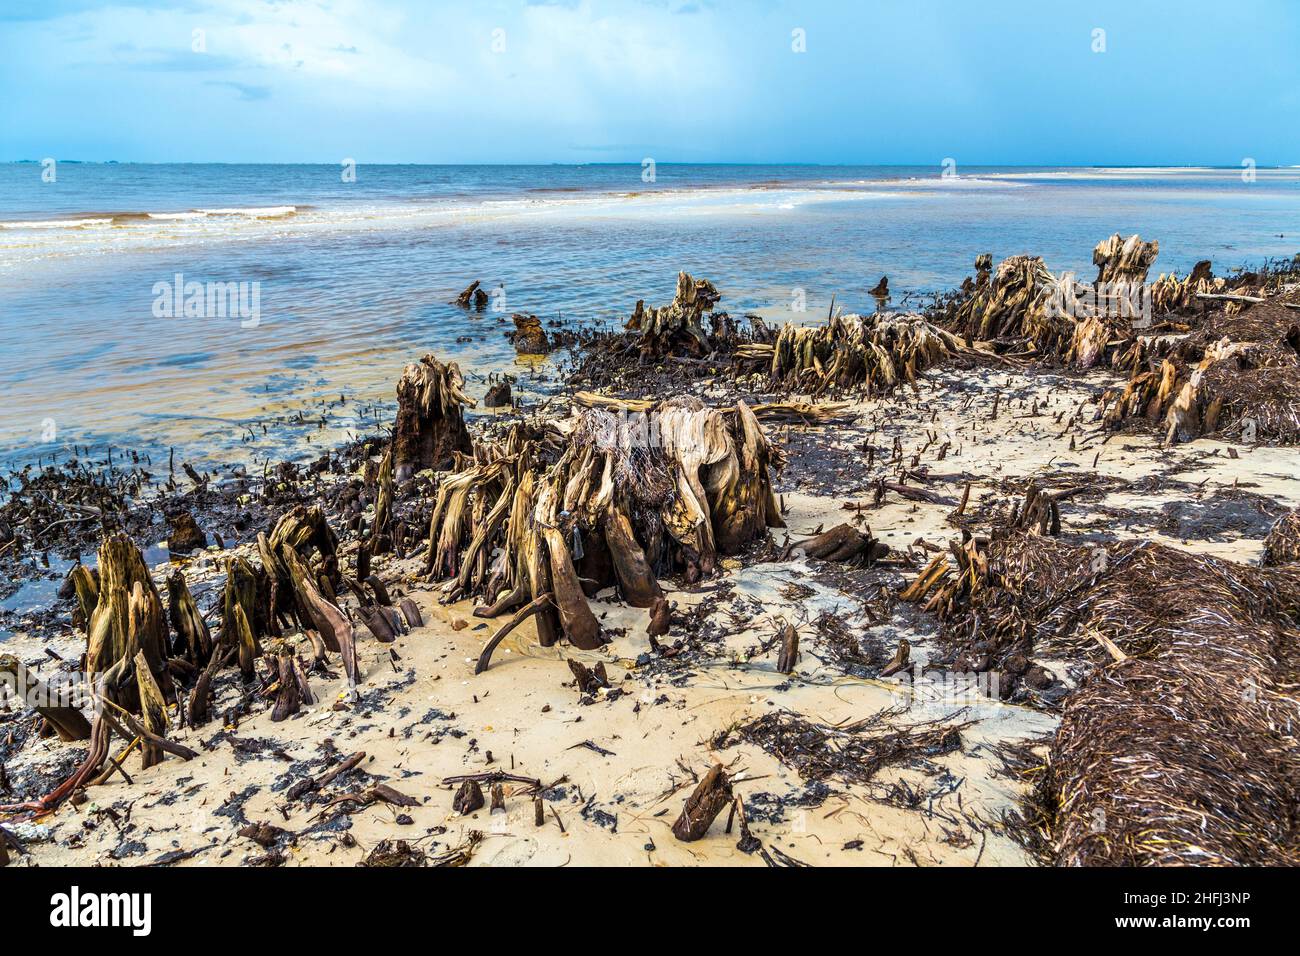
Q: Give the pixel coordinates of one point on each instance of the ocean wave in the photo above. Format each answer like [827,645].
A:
[56,223]
[249,212]
[83,220]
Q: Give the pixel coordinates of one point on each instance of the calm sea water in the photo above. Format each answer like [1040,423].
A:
[354,279]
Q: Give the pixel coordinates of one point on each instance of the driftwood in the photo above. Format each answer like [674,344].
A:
[57,709]
[844,543]
[312,784]
[900,660]
[707,800]
[527,611]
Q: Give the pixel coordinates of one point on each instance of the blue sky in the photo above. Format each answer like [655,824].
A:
[880,81]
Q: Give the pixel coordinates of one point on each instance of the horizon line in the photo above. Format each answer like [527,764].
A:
[658,163]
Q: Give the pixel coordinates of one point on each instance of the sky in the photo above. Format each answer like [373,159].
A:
[998,82]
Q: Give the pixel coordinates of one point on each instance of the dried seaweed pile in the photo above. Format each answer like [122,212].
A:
[852,353]
[853,752]
[1179,747]
[544,518]
[1282,544]
[1237,376]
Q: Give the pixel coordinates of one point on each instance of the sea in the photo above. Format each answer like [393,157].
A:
[330,278]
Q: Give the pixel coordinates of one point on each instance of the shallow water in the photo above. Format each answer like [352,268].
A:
[355,279]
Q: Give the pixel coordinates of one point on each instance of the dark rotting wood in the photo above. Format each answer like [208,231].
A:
[589,679]
[844,543]
[430,427]
[707,800]
[529,338]
[193,639]
[66,719]
[747,843]
[900,659]
[468,798]
[660,618]
[288,698]
[411,611]
[789,655]
[380,590]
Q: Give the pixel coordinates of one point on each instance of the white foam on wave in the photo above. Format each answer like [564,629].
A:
[249,212]
[54,223]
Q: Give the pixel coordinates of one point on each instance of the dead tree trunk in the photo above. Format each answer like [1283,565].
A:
[710,797]
[678,326]
[430,429]
[193,639]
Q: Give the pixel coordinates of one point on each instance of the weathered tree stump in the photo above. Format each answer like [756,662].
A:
[468,798]
[185,534]
[473,297]
[498,396]
[789,655]
[193,639]
[704,804]
[529,338]
[430,429]
[679,325]
[589,680]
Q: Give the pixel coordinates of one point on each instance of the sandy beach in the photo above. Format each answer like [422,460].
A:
[614,766]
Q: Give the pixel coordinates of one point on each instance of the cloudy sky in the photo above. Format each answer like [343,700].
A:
[876,81]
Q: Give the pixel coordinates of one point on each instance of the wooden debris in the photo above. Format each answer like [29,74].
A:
[844,543]
[468,798]
[789,655]
[707,800]
[430,428]
[58,709]
[679,325]
[529,337]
